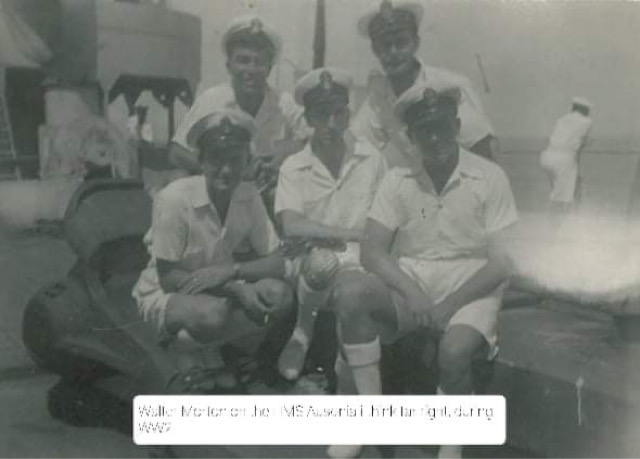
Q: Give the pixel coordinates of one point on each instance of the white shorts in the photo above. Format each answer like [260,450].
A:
[152,304]
[441,278]
[562,169]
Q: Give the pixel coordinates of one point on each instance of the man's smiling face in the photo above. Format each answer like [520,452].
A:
[249,69]
[396,51]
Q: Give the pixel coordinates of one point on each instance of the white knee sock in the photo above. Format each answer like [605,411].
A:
[344,451]
[364,360]
[346,385]
[448,451]
[292,358]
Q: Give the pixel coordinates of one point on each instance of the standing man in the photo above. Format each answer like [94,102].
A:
[433,248]
[195,292]
[393,31]
[324,193]
[251,48]
[561,158]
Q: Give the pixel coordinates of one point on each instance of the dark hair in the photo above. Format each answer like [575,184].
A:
[580,108]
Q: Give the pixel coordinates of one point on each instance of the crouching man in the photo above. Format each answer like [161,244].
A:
[194,291]
[323,195]
[434,238]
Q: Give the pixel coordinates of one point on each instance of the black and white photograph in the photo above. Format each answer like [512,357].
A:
[319,200]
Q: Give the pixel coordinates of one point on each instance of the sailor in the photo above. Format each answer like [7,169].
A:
[195,291]
[251,48]
[392,28]
[323,195]
[434,253]
[560,159]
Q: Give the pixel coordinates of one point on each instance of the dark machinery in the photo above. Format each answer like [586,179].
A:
[86,327]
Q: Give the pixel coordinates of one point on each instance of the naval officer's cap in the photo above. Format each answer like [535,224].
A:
[323,85]
[579,101]
[223,128]
[389,17]
[427,102]
[253,32]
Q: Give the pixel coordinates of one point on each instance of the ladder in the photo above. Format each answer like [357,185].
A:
[9,166]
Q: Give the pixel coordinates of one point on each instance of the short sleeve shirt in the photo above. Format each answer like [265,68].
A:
[307,187]
[376,120]
[187,230]
[570,132]
[476,202]
[279,119]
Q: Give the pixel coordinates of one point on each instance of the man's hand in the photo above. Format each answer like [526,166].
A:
[208,278]
[420,306]
[263,171]
[254,307]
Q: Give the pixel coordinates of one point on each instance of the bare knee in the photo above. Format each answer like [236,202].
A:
[277,294]
[458,348]
[200,315]
[352,298]
[453,357]
[212,319]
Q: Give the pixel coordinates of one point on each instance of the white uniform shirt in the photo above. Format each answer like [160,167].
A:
[476,202]
[376,120]
[307,187]
[187,230]
[278,121]
[570,132]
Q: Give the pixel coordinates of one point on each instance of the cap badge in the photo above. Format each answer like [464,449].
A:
[256,25]
[429,96]
[386,9]
[326,81]
[226,127]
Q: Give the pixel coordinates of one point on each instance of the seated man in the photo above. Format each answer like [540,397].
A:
[324,192]
[433,248]
[194,292]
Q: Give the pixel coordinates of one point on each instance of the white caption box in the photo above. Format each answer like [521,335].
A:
[319,420]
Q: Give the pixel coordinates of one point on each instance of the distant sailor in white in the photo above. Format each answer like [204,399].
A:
[560,159]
